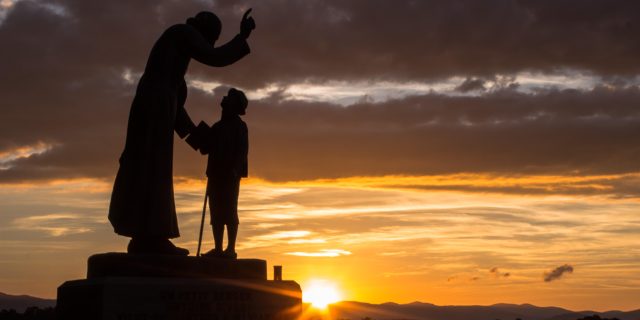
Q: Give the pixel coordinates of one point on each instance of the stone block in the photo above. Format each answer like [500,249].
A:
[121,286]
[141,265]
[131,298]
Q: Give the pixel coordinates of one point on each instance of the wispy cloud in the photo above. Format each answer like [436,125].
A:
[10,156]
[55,224]
[496,272]
[5,6]
[348,93]
[275,238]
[284,235]
[615,184]
[321,253]
[557,273]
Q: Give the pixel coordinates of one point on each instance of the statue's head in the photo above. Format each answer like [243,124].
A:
[208,24]
[235,102]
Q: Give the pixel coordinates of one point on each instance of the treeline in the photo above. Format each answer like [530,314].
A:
[35,313]
[597,317]
[31,313]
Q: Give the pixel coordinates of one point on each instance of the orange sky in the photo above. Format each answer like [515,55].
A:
[376,241]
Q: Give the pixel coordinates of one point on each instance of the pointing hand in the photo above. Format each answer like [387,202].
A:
[247,24]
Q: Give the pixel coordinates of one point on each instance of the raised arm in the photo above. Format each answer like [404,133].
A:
[199,49]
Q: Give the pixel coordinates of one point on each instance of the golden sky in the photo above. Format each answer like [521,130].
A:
[378,238]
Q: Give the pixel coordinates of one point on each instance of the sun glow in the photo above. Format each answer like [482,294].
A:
[320,293]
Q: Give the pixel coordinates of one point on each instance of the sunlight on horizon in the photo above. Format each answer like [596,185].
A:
[321,293]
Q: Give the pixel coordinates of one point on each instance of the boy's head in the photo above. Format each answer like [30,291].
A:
[235,102]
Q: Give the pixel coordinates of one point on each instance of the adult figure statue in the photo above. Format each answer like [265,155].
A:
[142,203]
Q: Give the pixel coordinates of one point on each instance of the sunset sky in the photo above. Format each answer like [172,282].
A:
[450,152]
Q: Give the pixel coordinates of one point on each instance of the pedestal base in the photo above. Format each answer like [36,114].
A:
[116,264]
[137,298]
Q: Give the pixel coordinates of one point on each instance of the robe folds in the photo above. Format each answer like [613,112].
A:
[142,201]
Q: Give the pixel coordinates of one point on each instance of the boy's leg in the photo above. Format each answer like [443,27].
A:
[232,219]
[232,229]
[218,235]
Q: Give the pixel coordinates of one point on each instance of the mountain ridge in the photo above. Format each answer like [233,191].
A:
[503,311]
[21,302]
[413,310]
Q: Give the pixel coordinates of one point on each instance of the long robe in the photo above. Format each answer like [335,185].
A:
[142,201]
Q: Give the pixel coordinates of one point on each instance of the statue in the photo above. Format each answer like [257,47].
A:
[227,144]
[142,203]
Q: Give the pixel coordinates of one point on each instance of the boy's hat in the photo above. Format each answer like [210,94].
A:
[239,97]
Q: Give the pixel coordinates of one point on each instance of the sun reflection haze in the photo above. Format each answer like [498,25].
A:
[320,293]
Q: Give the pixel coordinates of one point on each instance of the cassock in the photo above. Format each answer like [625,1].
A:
[142,201]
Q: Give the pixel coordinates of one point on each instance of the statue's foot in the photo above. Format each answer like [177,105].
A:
[155,246]
[213,253]
[171,248]
[229,254]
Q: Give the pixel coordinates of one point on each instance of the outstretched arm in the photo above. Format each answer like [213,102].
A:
[201,50]
[222,56]
[200,138]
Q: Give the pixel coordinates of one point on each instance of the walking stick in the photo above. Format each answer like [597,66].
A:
[204,209]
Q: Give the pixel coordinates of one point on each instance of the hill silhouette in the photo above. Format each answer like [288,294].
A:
[415,310]
[20,303]
[426,311]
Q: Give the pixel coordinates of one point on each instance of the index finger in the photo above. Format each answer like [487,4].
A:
[246,14]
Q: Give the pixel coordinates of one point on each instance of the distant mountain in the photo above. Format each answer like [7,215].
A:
[622,315]
[425,311]
[351,310]
[21,303]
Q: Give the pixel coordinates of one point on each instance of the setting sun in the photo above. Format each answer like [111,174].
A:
[320,293]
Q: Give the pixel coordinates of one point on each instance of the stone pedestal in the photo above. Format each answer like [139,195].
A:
[164,266]
[146,287]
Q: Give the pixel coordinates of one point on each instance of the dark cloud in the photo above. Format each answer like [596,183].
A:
[557,273]
[558,132]
[420,40]
[342,40]
[61,83]
[497,273]
[471,84]
[617,186]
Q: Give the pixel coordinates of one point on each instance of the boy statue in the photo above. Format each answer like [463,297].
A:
[227,144]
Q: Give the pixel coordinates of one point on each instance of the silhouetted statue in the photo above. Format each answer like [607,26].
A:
[227,144]
[142,203]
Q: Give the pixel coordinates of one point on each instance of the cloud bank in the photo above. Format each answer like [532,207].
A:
[68,80]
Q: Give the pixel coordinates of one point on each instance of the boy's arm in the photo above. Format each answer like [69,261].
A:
[198,138]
